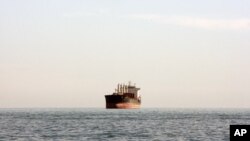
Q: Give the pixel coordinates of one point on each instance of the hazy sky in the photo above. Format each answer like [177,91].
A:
[70,53]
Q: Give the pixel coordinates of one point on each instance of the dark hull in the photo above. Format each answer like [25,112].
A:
[122,102]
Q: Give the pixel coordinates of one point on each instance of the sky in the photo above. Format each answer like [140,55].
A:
[182,54]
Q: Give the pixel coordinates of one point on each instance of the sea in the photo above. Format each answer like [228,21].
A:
[99,124]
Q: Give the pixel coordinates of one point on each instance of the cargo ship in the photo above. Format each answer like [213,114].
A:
[124,97]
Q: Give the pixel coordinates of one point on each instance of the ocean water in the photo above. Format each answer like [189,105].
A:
[120,125]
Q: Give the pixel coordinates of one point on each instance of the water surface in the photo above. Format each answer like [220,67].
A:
[102,124]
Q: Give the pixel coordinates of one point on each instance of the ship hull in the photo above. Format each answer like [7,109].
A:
[122,102]
[122,106]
